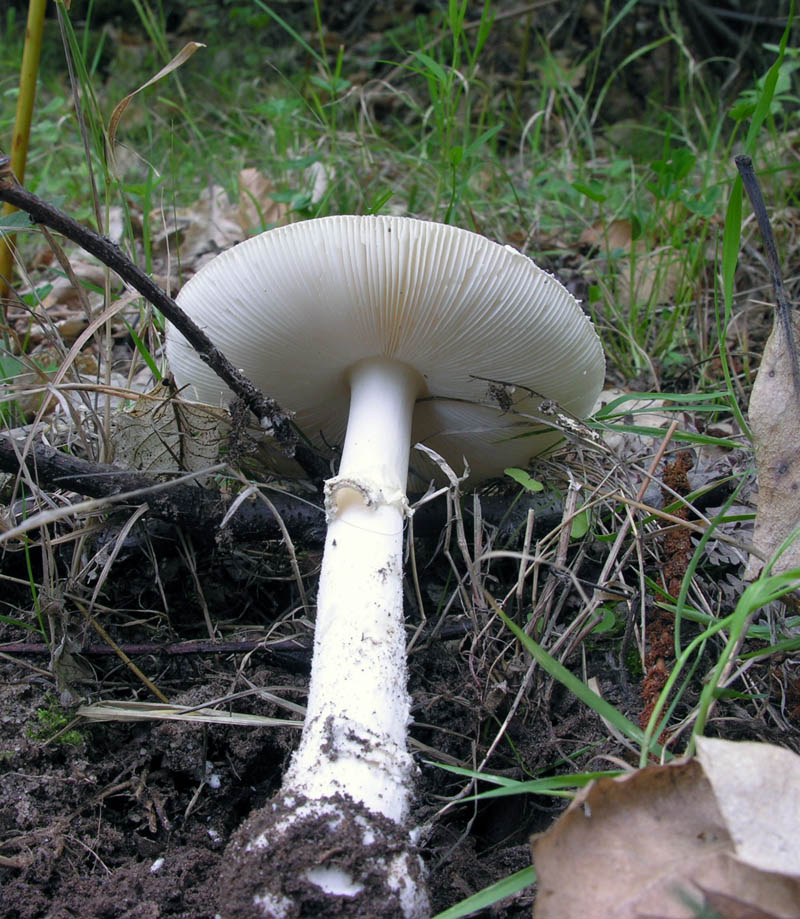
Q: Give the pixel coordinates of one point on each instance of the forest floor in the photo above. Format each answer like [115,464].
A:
[129,817]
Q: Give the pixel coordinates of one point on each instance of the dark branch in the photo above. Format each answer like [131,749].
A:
[783,308]
[266,410]
[292,654]
[200,510]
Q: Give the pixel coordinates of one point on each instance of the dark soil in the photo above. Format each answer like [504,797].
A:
[131,819]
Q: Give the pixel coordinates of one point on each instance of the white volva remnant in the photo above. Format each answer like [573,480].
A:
[378,333]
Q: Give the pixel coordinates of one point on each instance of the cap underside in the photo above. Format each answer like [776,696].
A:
[298,305]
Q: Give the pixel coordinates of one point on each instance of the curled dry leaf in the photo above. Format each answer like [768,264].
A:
[183,55]
[665,842]
[163,433]
[214,222]
[774,415]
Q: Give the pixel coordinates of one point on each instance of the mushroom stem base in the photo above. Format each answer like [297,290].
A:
[298,857]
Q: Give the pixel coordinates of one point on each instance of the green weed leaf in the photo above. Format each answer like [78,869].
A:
[580,525]
[18,220]
[522,478]
[593,191]
[431,67]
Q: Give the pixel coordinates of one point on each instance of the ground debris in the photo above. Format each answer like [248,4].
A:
[774,421]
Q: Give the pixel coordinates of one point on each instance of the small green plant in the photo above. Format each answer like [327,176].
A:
[782,96]
[49,724]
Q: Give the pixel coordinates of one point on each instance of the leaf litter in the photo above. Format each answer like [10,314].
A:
[717,832]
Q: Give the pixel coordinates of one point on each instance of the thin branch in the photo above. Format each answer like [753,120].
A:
[782,306]
[293,652]
[265,409]
[172,649]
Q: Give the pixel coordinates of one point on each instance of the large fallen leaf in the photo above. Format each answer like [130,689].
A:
[718,833]
[774,415]
[757,789]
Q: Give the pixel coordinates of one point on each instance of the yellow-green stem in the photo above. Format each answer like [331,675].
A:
[22,123]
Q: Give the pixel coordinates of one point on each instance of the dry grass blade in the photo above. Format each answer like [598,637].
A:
[183,55]
[155,711]
[122,655]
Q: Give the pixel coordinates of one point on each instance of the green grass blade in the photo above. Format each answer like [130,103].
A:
[547,785]
[491,894]
[697,556]
[730,242]
[9,620]
[294,34]
[761,592]
[764,102]
[576,686]
[144,352]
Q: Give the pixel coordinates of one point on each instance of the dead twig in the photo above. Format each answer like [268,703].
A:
[197,509]
[268,412]
[292,653]
[783,308]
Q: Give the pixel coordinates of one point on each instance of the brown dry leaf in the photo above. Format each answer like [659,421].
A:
[162,435]
[646,273]
[62,292]
[774,415]
[757,788]
[650,276]
[255,207]
[615,235]
[657,844]
[214,223]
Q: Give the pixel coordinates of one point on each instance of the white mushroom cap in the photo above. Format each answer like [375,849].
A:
[297,306]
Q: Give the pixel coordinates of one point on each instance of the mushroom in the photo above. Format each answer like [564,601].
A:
[378,332]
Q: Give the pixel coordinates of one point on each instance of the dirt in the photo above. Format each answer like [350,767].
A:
[370,849]
[132,819]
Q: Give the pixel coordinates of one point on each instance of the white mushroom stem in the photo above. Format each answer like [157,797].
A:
[354,736]
[335,838]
